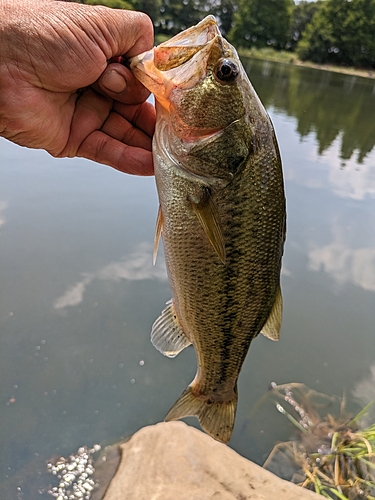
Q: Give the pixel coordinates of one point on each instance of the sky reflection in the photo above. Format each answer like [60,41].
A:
[3,207]
[345,264]
[135,267]
[336,233]
[80,293]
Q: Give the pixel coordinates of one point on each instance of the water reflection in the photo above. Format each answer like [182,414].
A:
[3,207]
[137,266]
[80,294]
[338,107]
[345,264]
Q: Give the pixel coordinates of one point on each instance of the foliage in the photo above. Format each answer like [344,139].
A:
[269,54]
[341,33]
[330,455]
[224,13]
[302,14]
[150,7]
[336,32]
[262,23]
[177,15]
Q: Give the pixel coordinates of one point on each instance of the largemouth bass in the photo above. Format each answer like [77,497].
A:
[221,216]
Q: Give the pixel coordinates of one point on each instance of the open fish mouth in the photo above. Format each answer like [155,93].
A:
[185,45]
[182,61]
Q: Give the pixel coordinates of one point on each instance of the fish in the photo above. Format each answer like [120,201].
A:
[222,216]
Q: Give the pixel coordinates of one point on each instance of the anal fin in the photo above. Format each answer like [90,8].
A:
[271,328]
[207,214]
[216,418]
[167,335]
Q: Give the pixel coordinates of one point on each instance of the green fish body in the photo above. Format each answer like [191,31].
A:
[222,215]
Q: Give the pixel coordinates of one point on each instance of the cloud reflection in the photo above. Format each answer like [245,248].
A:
[348,178]
[3,207]
[345,264]
[134,267]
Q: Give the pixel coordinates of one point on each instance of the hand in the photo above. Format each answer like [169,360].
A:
[57,90]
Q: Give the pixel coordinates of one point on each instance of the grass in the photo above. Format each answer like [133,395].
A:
[266,53]
[334,456]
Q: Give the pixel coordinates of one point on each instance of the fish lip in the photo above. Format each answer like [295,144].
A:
[196,36]
[200,34]
[167,67]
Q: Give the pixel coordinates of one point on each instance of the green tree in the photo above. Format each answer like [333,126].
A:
[223,10]
[342,33]
[302,15]
[262,23]
[150,7]
[177,15]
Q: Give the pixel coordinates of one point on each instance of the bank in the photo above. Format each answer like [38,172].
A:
[285,57]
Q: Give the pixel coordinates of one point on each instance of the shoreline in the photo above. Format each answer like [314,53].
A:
[291,58]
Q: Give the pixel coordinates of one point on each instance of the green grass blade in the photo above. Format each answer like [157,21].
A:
[338,494]
[360,414]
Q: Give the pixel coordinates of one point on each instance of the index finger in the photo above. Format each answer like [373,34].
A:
[125,32]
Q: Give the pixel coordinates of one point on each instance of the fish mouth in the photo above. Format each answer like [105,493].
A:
[185,45]
[180,62]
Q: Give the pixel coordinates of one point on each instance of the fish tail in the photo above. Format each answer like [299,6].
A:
[216,418]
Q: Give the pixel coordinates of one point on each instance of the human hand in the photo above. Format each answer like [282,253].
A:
[57,90]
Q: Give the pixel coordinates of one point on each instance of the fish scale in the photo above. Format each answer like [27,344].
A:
[222,215]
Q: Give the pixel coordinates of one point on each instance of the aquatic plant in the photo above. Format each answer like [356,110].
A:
[335,456]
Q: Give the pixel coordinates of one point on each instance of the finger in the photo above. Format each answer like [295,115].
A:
[142,116]
[104,149]
[118,82]
[91,111]
[122,130]
[121,32]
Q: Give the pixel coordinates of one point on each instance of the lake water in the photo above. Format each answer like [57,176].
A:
[79,293]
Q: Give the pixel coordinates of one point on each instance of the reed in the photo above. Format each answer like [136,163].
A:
[331,455]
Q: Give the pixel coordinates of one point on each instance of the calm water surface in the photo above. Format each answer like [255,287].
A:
[79,293]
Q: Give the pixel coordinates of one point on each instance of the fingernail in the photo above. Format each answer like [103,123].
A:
[114,82]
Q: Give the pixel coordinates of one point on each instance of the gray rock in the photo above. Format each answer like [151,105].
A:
[172,461]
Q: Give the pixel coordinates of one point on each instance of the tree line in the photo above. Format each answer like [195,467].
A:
[340,32]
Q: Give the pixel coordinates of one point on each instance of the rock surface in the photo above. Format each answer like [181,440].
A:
[172,461]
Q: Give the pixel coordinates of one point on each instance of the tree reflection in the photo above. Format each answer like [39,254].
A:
[328,104]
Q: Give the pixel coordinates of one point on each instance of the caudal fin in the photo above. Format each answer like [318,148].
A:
[217,419]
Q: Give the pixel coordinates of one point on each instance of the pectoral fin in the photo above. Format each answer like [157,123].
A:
[167,335]
[207,214]
[158,231]
[271,328]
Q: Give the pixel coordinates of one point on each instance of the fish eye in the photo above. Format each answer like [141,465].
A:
[226,70]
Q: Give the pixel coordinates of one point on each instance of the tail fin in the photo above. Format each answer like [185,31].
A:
[217,418]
